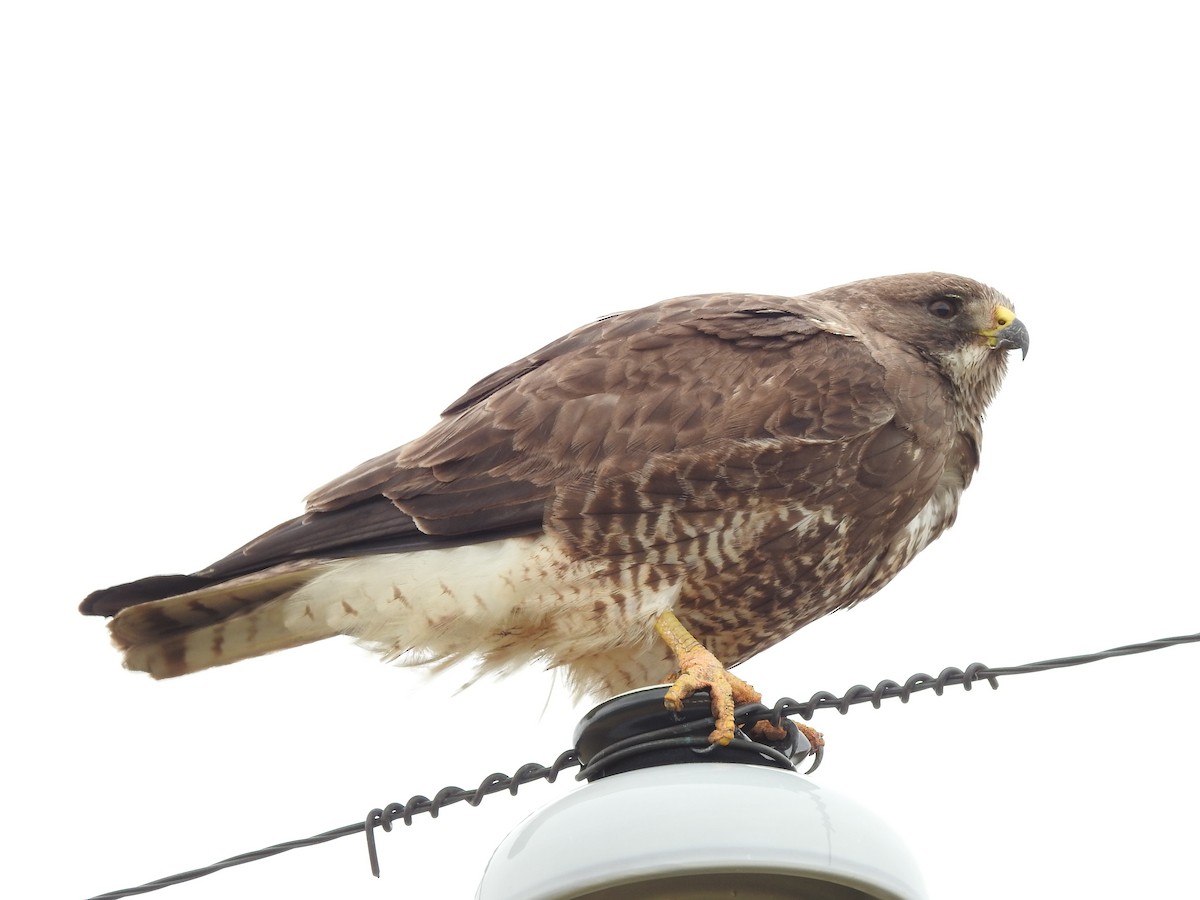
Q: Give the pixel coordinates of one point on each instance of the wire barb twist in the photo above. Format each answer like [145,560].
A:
[494,783]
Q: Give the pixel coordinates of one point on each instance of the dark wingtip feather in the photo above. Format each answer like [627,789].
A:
[111,601]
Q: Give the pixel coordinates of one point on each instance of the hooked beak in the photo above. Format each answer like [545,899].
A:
[1009,332]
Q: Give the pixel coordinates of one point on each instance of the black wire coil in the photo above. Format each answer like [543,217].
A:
[494,783]
[887,689]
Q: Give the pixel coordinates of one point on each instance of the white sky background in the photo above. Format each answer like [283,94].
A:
[247,245]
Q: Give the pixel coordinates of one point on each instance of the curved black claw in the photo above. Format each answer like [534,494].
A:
[818,754]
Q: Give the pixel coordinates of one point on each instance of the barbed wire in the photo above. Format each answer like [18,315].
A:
[418,804]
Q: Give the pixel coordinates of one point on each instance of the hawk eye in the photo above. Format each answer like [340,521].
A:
[944,307]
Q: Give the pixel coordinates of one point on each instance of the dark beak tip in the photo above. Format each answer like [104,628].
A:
[1014,337]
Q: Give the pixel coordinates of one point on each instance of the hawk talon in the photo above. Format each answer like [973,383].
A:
[818,754]
[816,740]
[816,745]
[768,732]
[700,670]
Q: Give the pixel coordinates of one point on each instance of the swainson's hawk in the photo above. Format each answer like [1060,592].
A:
[728,465]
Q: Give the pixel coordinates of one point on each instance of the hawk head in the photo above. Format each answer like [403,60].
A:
[961,326]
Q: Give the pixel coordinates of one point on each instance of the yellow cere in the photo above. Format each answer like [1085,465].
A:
[1004,318]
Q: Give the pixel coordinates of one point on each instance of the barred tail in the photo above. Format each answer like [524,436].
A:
[219,624]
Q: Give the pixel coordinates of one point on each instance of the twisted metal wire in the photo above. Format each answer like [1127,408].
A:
[375,818]
[976,671]
[786,706]
[494,783]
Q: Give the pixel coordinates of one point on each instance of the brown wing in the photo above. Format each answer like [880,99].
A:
[607,398]
[602,400]
[667,383]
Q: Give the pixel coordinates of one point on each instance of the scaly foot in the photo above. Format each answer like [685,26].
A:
[700,670]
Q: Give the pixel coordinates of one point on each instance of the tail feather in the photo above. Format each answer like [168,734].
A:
[110,601]
[219,624]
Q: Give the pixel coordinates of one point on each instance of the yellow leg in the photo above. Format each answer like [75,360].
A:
[699,670]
